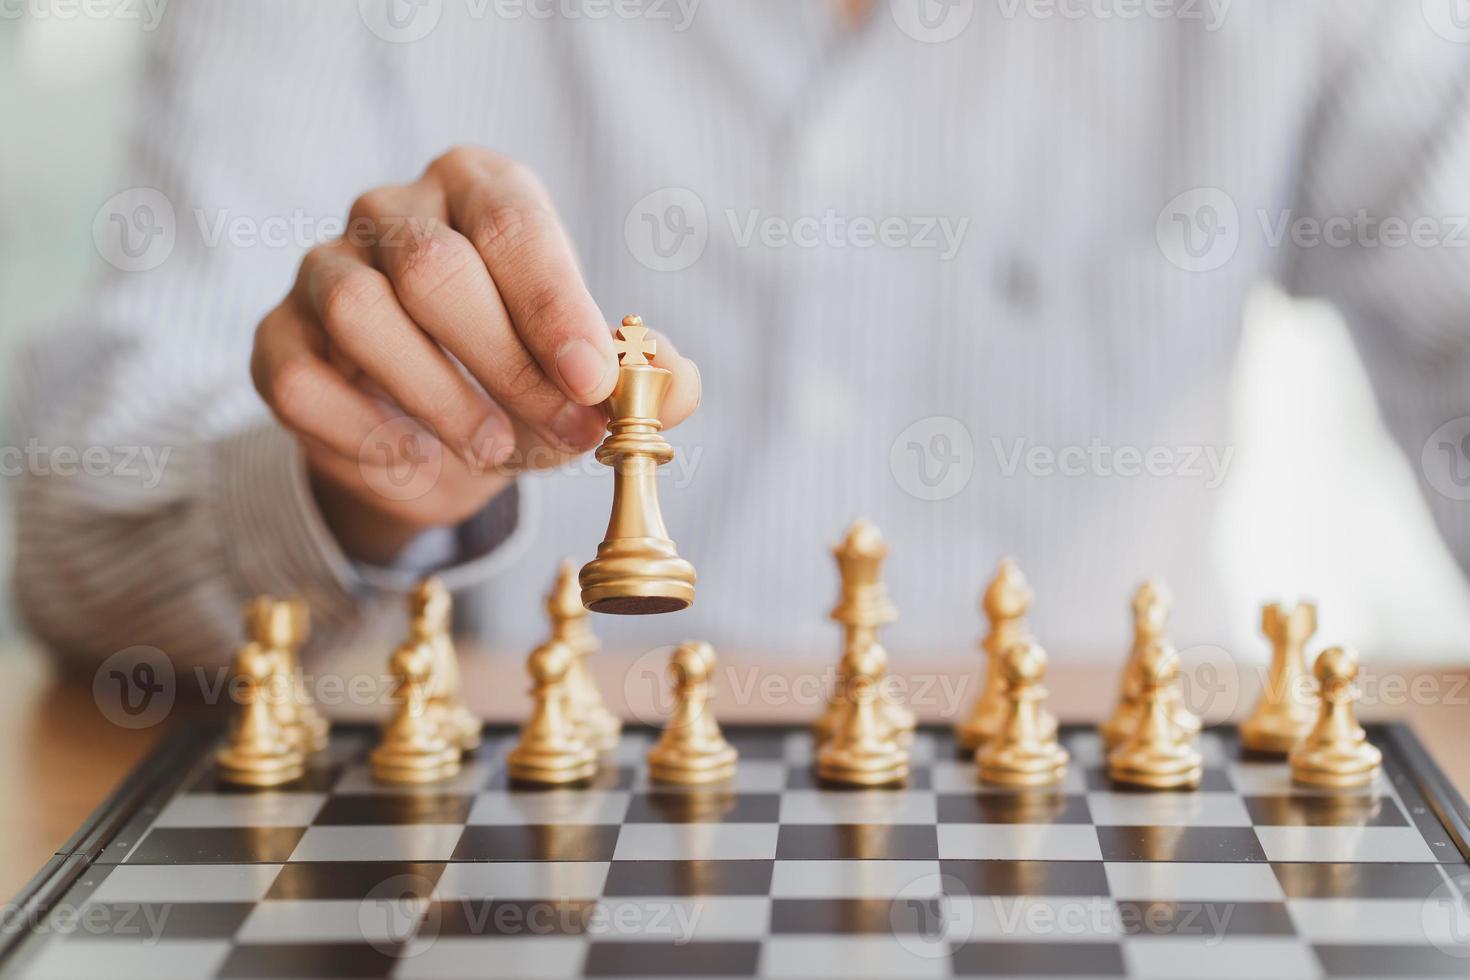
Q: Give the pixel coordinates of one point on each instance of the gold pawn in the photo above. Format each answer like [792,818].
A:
[551,751]
[1006,601]
[568,617]
[1151,604]
[431,621]
[1024,752]
[279,627]
[1336,753]
[415,747]
[863,607]
[1287,707]
[692,751]
[1157,755]
[863,750]
[259,751]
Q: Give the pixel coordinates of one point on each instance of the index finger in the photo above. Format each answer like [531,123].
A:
[507,215]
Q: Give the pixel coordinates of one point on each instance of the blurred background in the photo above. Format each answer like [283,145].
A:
[1319,501]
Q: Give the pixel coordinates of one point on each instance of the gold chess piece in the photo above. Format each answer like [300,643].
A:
[862,608]
[1336,752]
[692,751]
[864,749]
[1006,601]
[280,627]
[260,751]
[1287,707]
[1024,752]
[637,569]
[1151,604]
[431,614]
[415,747]
[568,618]
[551,751]
[1158,754]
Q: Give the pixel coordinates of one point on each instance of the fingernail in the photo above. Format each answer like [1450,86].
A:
[583,369]
[577,426]
[492,443]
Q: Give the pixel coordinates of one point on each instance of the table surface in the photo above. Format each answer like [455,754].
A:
[60,757]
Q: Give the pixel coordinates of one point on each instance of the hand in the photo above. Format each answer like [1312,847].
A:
[455,300]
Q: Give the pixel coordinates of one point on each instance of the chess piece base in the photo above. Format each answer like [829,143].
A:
[1275,732]
[1336,769]
[1184,772]
[688,769]
[551,770]
[259,771]
[636,577]
[1015,768]
[392,766]
[850,772]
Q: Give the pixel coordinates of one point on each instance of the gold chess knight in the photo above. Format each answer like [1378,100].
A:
[692,751]
[1336,753]
[1157,754]
[416,746]
[1024,752]
[552,750]
[568,617]
[281,626]
[1288,705]
[1006,601]
[1150,622]
[862,608]
[637,569]
[430,610]
[261,750]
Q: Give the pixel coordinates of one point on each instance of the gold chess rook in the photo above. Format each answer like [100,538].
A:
[637,569]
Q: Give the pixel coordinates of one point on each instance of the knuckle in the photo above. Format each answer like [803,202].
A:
[504,234]
[292,388]
[523,382]
[374,205]
[347,299]
[426,262]
[460,157]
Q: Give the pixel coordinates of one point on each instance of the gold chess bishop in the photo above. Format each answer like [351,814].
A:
[692,751]
[1024,752]
[280,627]
[637,569]
[552,750]
[600,727]
[1336,753]
[430,611]
[1288,706]
[1006,601]
[861,610]
[1151,605]
[1158,754]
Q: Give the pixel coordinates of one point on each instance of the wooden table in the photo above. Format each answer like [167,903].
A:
[59,756]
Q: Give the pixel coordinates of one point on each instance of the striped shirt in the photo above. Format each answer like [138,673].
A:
[973,269]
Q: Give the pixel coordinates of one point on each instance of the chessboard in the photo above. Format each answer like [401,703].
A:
[772,875]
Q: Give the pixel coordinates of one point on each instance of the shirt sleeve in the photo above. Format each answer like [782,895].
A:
[1386,193]
[159,494]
